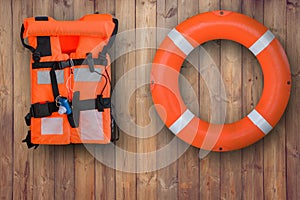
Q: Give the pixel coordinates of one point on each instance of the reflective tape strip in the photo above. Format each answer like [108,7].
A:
[182,122]
[43,77]
[260,121]
[91,125]
[180,41]
[262,42]
[84,75]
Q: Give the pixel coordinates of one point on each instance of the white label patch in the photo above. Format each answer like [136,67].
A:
[52,126]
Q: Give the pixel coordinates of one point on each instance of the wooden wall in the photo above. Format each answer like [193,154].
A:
[269,169]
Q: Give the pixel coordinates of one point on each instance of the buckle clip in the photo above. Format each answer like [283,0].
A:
[65,64]
[36,56]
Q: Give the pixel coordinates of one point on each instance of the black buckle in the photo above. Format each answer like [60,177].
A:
[102,103]
[36,56]
[39,110]
[65,64]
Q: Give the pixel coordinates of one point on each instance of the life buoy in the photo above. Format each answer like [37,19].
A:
[210,26]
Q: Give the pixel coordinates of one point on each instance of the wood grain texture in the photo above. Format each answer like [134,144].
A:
[23,159]
[231,70]
[167,180]
[126,182]
[252,83]
[6,96]
[274,142]
[188,167]
[210,165]
[268,169]
[145,17]
[292,120]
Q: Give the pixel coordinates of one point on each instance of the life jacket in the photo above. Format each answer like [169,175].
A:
[70,79]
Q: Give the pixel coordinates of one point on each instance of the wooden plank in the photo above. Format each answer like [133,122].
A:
[145,17]
[84,161]
[82,8]
[64,155]
[209,165]
[126,182]
[6,95]
[23,158]
[252,82]
[188,166]
[231,69]
[104,175]
[292,115]
[103,6]
[43,160]
[274,142]
[167,181]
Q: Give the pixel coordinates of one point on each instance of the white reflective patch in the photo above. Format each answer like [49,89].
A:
[52,126]
[84,75]
[182,122]
[262,42]
[180,41]
[260,121]
[91,125]
[43,77]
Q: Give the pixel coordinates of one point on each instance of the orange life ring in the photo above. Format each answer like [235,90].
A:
[210,26]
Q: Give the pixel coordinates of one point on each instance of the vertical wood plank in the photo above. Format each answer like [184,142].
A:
[292,115]
[84,161]
[23,158]
[231,69]
[43,160]
[64,155]
[188,166]
[126,182]
[274,142]
[104,175]
[210,165]
[145,17]
[6,96]
[167,181]
[104,6]
[252,157]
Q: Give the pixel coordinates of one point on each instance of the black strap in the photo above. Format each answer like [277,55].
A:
[41,18]
[28,141]
[23,41]
[54,84]
[112,38]
[39,110]
[58,65]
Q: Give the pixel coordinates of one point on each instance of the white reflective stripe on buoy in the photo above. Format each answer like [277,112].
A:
[182,122]
[262,42]
[180,41]
[260,121]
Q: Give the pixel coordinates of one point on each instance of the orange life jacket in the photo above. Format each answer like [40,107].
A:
[70,79]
